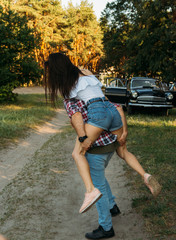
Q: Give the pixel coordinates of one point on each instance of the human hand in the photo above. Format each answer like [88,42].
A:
[86,145]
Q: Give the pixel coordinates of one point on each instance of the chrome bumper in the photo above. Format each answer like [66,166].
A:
[149,105]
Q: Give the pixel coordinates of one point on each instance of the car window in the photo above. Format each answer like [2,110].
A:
[116,83]
[120,83]
[172,86]
[113,83]
[145,83]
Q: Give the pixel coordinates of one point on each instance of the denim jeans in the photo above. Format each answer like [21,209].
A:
[98,163]
[103,114]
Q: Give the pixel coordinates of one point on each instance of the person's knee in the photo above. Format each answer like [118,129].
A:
[75,155]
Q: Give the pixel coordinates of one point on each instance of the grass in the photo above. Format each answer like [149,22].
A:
[153,140]
[26,113]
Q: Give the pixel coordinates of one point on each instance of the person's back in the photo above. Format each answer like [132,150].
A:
[87,87]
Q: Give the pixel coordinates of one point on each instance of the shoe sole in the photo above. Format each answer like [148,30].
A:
[101,237]
[155,185]
[92,203]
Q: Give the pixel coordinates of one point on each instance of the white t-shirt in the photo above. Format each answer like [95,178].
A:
[87,87]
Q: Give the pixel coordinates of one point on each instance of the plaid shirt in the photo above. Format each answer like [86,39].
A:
[73,105]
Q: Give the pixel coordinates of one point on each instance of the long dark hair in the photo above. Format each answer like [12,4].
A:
[60,74]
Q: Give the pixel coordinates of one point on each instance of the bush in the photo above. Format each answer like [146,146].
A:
[17,45]
[6,94]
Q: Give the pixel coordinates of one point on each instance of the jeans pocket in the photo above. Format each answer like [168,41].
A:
[97,114]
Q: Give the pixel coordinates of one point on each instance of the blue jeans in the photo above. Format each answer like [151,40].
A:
[98,163]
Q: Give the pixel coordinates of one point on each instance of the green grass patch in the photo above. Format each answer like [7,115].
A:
[153,140]
[29,111]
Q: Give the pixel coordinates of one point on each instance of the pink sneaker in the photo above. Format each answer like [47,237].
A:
[152,184]
[90,199]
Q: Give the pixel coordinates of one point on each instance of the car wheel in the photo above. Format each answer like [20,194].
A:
[129,110]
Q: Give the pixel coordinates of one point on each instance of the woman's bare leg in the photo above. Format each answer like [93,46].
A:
[93,194]
[81,161]
[83,166]
[130,159]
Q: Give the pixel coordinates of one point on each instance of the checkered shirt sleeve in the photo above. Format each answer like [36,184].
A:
[73,105]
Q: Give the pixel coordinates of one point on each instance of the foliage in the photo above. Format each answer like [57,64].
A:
[17,62]
[74,31]
[116,26]
[31,29]
[47,19]
[85,35]
[141,35]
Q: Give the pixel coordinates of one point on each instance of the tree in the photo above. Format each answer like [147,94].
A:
[17,64]
[85,36]
[116,25]
[74,31]
[153,39]
[48,20]
[149,45]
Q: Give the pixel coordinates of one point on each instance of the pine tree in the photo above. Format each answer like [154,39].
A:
[74,30]
[142,35]
[85,36]
[116,25]
[17,64]
[47,18]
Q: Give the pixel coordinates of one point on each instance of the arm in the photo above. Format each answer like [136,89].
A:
[78,125]
[75,116]
[78,115]
[71,107]
[122,139]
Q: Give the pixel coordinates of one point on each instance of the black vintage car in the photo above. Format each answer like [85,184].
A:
[139,92]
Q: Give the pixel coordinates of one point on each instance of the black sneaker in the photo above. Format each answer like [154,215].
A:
[100,233]
[115,211]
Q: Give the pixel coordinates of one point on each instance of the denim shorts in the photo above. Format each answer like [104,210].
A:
[103,114]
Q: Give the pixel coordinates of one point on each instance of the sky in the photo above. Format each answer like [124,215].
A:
[98,5]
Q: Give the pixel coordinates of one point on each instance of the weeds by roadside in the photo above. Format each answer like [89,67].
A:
[17,118]
[153,140]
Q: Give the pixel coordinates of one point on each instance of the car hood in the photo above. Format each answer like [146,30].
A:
[150,92]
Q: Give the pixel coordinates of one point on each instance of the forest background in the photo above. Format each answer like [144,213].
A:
[132,38]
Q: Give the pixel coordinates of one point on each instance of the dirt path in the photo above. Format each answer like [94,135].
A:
[42,190]
[12,160]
